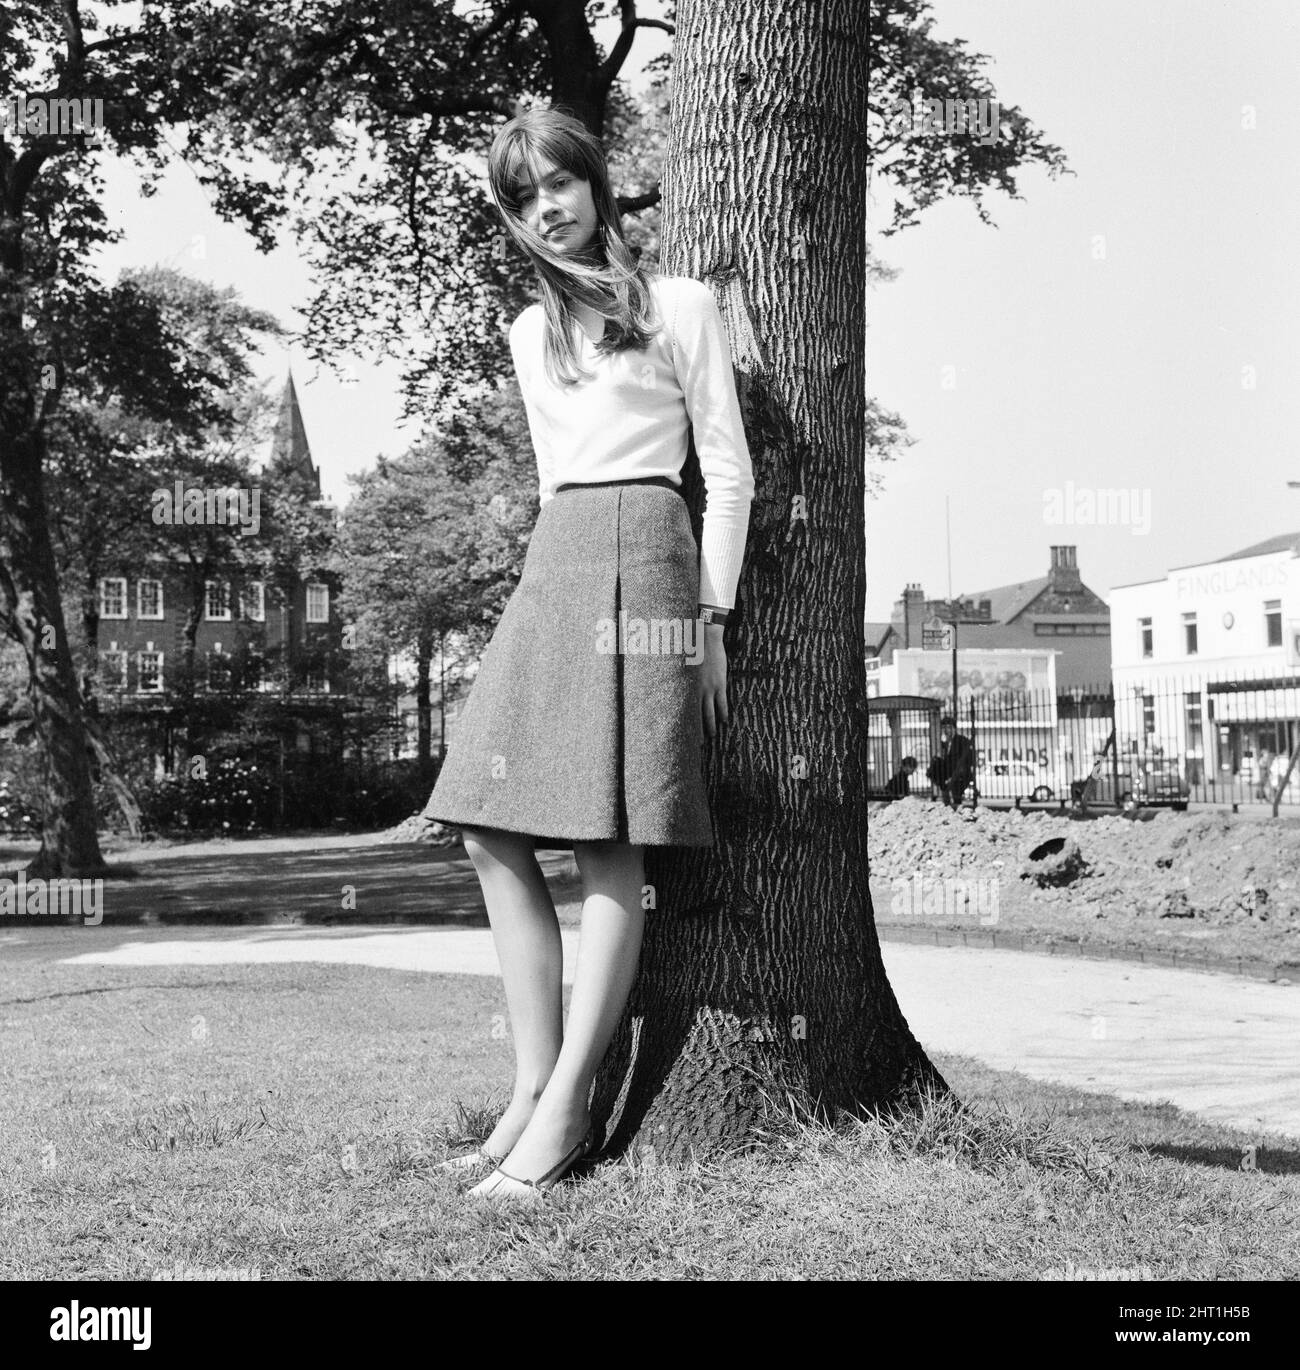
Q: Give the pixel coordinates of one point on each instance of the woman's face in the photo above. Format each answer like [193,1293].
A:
[561,208]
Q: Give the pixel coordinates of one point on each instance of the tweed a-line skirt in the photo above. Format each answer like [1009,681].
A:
[584,721]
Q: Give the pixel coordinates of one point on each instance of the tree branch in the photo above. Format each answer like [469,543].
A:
[613,64]
[630,204]
[24,173]
[385,95]
[441,106]
[75,40]
[118,40]
[73,77]
[513,11]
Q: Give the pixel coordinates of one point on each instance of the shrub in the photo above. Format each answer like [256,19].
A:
[229,796]
[20,790]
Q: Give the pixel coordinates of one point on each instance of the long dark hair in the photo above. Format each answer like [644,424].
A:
[608,279]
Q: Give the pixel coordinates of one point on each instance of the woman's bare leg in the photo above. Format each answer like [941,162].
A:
[613,921]
[527,936]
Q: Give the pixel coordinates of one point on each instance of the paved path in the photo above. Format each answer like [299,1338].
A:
[1223,1047]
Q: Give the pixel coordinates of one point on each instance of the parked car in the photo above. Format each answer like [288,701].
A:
[1010,780]
[1111,785]
[1148,781]
[1160,780]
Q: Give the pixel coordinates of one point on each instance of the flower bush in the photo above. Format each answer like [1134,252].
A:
[19,811]
[229,796]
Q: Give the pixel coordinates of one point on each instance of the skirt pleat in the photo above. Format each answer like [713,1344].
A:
[584,720]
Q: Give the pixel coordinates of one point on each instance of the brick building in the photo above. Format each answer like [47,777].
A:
[248,638]
[1056,612]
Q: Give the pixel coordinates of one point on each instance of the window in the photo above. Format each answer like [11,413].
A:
[112,597]
[252,602]
[1144,628]
[1195,737]
[149,672]
[148,599]
[1273,622]
[218,600]
[218,668]
[317,681]
[318,603]
[1189,633]
[112,670]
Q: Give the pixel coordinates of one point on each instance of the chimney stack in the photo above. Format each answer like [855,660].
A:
[1064,574]
[913,615]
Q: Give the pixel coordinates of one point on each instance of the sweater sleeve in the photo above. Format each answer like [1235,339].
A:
[545,478]
[704,371]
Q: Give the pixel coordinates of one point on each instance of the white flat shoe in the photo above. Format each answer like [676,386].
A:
[499,1184]
[470,1160]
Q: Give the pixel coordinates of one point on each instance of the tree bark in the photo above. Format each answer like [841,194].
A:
[761,978]
[33,613]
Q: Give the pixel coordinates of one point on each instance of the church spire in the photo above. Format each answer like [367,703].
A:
[290,450]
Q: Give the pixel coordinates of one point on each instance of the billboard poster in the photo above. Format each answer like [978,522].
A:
[1002,681]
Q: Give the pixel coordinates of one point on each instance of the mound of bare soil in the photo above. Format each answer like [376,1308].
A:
[1197,874]
[417,828]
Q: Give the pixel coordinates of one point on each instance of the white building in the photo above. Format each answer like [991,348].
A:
[1206,662]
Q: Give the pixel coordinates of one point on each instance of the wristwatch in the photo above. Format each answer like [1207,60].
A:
[710,613]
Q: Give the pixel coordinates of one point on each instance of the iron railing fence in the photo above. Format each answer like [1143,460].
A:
[1163,739]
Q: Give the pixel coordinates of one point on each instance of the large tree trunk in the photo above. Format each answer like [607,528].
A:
[33,612]
[761,977]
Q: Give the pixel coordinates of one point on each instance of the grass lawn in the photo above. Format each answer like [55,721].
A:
[282,1120]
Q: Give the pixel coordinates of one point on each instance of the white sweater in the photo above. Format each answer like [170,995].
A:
[630,418]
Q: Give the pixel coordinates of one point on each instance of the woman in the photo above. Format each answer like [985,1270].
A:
[585,723]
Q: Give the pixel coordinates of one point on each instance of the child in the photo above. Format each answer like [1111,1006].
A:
[901,785]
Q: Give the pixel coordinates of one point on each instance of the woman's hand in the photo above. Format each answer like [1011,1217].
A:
[713,679]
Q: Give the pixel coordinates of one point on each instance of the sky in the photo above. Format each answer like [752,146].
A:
[350,419]
[1095,340]
[1133,327]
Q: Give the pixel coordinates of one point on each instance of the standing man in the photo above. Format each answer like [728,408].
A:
[954,768]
